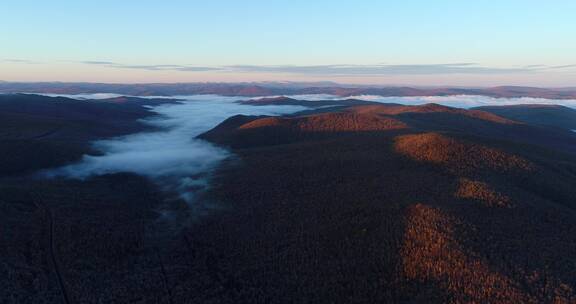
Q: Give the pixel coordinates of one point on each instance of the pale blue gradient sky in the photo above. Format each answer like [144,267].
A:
[385,42]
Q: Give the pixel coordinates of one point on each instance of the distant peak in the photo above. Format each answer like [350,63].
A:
[274,99]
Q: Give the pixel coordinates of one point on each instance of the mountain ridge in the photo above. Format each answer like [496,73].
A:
[424,213]
[270,89]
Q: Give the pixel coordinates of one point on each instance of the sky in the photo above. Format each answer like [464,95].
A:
[441,42]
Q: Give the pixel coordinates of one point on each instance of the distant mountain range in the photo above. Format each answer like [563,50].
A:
[277,88]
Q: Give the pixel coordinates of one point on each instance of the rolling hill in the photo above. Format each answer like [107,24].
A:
[39,132]
[272,88]
[546,115]
[392,204]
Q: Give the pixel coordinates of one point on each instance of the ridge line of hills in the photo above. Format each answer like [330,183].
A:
[268,89]
[394,204]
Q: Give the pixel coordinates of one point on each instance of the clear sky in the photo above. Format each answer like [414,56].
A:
[441,42]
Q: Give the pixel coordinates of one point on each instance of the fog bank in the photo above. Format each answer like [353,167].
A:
[466,101]
[172,156]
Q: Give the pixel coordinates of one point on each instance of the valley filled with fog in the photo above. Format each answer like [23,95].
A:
[171,156]
[175,159]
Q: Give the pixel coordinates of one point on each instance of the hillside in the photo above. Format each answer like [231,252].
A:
[283,100]
[429,117]
[59,233]
[393,204]
[40,132]
[546,115]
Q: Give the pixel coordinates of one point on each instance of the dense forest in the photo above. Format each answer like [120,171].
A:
[353,204]
[395,204]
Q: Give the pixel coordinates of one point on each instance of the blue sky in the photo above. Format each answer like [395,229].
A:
[385,42]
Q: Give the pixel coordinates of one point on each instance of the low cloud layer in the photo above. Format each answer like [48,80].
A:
[157,67]
[467,101]
[410,69]
[172,157]
[22,61]
[345,69]
[456,73]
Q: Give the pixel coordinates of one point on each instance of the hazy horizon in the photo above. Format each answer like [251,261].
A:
[289,82]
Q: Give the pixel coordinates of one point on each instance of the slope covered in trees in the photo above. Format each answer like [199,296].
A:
[543,114]
[360,204]
[441,208]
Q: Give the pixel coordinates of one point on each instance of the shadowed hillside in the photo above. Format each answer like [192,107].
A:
[546,115]
[68,241]
[40,132]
